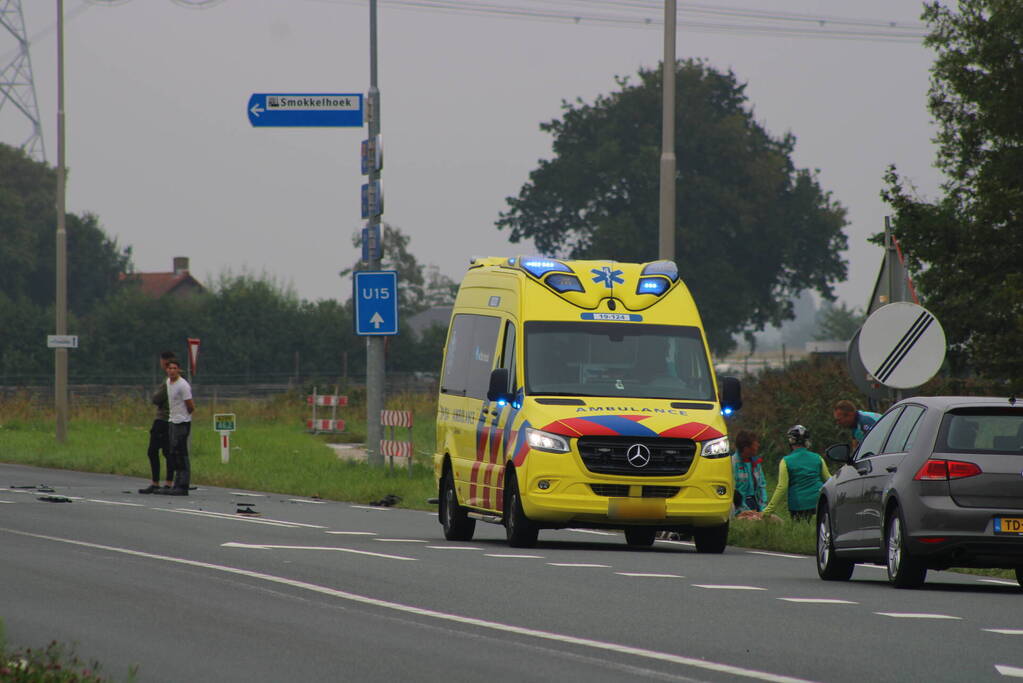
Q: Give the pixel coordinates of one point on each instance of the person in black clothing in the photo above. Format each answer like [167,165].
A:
[159,432]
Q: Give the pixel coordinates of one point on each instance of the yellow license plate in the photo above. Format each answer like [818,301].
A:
[636,508]
[1009,525]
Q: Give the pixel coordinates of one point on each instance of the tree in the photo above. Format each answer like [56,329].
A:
[965,247]
[837,322]
[28,222]
[753,230]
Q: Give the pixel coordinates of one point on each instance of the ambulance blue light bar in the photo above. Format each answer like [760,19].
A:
[538,267]
[652,285]
[666,268]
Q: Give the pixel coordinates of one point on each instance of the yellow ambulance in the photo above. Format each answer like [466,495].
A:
[581,394]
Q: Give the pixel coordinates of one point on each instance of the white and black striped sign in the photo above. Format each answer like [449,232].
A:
[902,345]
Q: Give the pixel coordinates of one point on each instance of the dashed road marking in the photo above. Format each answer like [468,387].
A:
[256,546]
[917,615]
[871,566]
[236,518]
[115,502]
[250,495]
[550,636]
[10,502]
[311,502]
[1011,671]
[453,547]
[769,554]
[353,533]
[578,564]
[1005,631]
[591,531]
[371,507]
[400,540]
[650,575]
[820,601]
[726,587]
[512,556]
[685,543]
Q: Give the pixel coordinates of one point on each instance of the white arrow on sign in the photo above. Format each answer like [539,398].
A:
[257,110]
[377,320]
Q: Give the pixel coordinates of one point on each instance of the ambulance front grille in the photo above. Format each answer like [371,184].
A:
[622,490]
[609,455]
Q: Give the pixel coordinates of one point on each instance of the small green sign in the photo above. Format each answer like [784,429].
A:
[224,422]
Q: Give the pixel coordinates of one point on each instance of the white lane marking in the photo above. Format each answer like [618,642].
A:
[252,546]
[688,543]
[728,588]
[509,555]
[353,533]
[1000,582]
[400,540]
[9,502]
[649,575]
[769,554]
[871,566]
[578,564]
[820,601]
[452,547]
[1012,671]
[916,615]
[250,495]
[236,518]
[370,507]
[1005,631]
[591,531]
[311,502]
[115,502]
[443,616]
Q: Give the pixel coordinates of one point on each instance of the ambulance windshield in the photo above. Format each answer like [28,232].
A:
[616,359]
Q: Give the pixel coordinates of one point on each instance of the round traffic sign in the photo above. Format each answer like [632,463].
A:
[902,345]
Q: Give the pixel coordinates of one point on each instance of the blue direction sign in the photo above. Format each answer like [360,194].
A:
[306,110]
[372,199]
[371,247]
[376,302]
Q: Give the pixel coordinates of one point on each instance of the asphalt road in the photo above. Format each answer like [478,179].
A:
[189,590]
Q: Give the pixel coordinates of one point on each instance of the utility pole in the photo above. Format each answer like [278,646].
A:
[61,354]
[374,344]
[666,225]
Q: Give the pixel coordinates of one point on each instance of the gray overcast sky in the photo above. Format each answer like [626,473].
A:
[160,148]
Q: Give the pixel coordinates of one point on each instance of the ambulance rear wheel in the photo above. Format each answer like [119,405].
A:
[640,535]
[458,526]
[521,532]
[711,539]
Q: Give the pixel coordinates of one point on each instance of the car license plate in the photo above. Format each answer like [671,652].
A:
[636,508]
[1009,525]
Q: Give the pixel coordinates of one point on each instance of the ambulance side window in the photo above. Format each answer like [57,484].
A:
[508,354]
[480,354]
[456,361]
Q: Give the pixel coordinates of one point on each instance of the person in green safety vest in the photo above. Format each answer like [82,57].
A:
[800,476]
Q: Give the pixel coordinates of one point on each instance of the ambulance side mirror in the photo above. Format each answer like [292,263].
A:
[498,390]
[731,395]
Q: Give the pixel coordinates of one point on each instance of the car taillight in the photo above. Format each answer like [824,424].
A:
[941,470]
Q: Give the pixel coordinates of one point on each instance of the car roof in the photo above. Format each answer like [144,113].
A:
[946,403]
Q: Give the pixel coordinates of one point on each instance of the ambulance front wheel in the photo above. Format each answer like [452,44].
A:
[521,532]
[458,526]
[711,539]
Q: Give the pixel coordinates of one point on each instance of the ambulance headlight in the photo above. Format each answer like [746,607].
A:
[717,448]
[545,441]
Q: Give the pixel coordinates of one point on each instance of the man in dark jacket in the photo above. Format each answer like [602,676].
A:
[158,433]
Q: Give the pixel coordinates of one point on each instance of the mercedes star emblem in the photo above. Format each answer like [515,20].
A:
[638,455]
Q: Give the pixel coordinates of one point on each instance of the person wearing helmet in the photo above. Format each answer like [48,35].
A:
[800,476]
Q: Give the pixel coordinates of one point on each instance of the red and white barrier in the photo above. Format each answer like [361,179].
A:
[396,449]
[325,425]
[327,400]
[396,418]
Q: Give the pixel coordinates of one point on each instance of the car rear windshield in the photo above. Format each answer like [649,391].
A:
[982,430]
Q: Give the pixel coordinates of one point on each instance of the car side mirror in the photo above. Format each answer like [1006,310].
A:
[839,452]
[731,395]
[499,390]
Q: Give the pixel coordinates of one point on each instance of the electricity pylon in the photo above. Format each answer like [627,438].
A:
[17,86]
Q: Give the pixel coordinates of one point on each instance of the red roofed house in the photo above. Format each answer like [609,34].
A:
[179,282]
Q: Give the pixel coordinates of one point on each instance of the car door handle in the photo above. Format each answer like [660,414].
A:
[891,468]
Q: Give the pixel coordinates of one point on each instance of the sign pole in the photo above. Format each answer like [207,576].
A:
[375,371]
[666,229]
[61,354]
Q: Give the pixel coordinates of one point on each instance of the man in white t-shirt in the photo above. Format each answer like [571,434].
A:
[179,398]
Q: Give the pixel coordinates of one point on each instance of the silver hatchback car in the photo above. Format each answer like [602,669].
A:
[937,483]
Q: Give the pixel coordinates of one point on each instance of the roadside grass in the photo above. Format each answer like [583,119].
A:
[56,663]
[784,537]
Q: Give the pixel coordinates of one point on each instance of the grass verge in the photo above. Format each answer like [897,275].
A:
[55,663]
